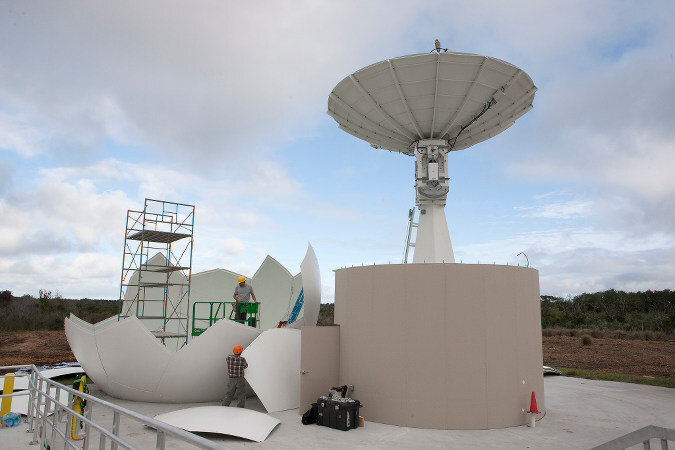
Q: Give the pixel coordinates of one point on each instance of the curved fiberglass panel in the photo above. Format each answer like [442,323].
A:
[274,368]
[82,342]
[240,422]
[311,285]
[203,362]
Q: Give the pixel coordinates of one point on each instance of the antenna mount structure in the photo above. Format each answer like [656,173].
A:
[427,105]
[431,190]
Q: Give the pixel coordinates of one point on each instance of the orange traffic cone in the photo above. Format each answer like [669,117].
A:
[533,405]
[533,410]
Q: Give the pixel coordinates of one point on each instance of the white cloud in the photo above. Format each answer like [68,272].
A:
[243,268]
[18,136]
[558,210]
[191,104]
[90,275]
[74,210]
[576,260]
[195,83]
[233,246]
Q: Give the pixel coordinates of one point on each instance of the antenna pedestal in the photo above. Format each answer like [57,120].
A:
[431,186]
[433,238]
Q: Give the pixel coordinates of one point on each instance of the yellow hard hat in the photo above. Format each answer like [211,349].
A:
[241,279]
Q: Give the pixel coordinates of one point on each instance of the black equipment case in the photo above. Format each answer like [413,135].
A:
[341,415]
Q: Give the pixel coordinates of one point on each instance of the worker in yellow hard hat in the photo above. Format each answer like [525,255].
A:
[236,387]
[242,294]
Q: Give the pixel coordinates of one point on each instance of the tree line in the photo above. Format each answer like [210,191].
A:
[608,310]
[48,310]
[611,310]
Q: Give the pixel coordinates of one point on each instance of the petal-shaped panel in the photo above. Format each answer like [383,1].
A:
[215,285]
[133,359]
[272,285]
[311,284]
[128,362]
[240,422]
[203,362]
[274,368]
[82,342]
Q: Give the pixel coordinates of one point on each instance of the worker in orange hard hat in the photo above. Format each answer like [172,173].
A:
[236,387]
[242,294]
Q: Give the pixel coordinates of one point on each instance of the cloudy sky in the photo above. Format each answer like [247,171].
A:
[221,104]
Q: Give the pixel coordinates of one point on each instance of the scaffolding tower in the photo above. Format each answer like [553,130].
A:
[157,268]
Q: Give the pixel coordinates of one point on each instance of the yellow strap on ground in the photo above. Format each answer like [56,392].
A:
[6,405]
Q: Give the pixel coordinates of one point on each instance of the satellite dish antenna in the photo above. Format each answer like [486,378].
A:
[427,105]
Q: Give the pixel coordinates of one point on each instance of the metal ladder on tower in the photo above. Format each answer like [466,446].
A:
[411,224]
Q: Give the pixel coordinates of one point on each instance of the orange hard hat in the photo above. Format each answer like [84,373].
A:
[237,349]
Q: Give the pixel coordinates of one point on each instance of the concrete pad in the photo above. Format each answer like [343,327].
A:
[580,414]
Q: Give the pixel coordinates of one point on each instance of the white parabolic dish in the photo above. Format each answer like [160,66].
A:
[394,103]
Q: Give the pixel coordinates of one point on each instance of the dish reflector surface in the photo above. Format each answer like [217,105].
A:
[394,103]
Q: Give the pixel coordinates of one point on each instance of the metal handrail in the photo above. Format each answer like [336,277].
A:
[643,435]
[42,405]
[220,313]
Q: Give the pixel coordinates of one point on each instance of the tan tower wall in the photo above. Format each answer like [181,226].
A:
[446,346]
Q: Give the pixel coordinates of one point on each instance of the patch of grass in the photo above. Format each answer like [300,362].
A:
[595,375]
[646,335]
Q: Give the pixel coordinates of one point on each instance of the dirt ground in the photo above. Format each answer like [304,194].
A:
[34,347]
[627,357]
[618,356]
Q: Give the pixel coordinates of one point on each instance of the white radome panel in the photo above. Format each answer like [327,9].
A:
[215,285]
[274,368]
[82,342]
[240,422]
[154,308]
[311,282]
[132,357]
[203,362]
[272,284]
[297,287]
[139,368]
[128,362]
[393,103]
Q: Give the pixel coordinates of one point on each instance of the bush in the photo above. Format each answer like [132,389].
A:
[48,311]
[586,339]
[326,312]
[618,334]
[6,296]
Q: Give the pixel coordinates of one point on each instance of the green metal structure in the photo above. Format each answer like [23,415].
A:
[217,311]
